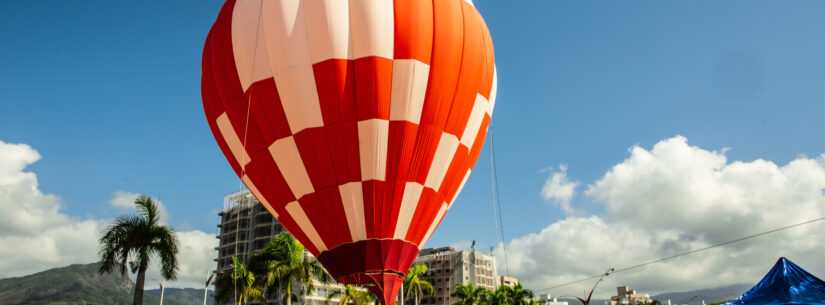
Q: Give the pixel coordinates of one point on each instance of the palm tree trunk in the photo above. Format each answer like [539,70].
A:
[416,299]
[289,294]
[141,278]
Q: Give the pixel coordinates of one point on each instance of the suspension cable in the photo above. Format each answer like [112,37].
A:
[496,202]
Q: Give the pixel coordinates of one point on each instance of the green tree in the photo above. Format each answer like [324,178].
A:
[415,283]
[287,264]
[224,288]
[244,281]
[351,295]
[518,295]
[136,239]
[502,296]
[470,295]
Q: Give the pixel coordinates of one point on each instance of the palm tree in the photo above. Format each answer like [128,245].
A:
[501,296]
[469,295]
[415,283]
[287,264]
[519,295]
[351,295]
[244,281]
[135,239]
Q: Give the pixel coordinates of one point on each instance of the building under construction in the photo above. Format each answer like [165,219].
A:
[245,227]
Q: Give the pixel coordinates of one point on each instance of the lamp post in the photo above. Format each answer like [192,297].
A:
[206,286]
[590,295]
[161,292]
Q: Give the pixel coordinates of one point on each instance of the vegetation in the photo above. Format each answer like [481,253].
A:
[505,295]
[281,268]
[287,264]
[136,239]
[244,283]
[517,295]
[351,295]
[415,283]
[470,295]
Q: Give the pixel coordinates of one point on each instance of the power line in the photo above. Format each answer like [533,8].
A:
[662,259]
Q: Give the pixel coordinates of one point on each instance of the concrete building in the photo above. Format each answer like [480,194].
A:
[508,281]
[245,227]
[626,296]
[449,268]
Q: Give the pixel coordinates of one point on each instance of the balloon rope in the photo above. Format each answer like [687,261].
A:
[496,202]
[243,143]
[250,74]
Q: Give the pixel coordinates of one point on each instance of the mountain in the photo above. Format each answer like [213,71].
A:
[83,285]
[710,295]
[575,301]
[693,297]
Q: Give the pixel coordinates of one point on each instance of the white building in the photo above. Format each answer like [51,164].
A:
[508,281]
[626,296]
[449,268]
[547,299]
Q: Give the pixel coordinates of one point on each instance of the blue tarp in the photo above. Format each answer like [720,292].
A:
[786,283]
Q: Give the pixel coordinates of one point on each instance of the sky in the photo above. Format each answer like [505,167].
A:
[623,132]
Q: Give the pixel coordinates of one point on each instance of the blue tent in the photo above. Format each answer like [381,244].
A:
[786,283]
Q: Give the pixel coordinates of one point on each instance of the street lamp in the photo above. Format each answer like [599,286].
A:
[161,292]
[590,295]
[206,286]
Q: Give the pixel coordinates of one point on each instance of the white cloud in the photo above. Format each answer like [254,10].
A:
[197,251]
[36,235]
[676,197]
[559,189]
[125,201]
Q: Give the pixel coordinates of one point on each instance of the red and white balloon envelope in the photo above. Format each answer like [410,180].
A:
[354,122]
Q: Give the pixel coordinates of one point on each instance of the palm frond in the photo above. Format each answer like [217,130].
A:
[147,208]
[118,242]
[166,247]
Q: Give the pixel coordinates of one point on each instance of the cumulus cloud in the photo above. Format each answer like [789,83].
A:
[125,201]
[196,260]
[561,190]
[673,198]
[36,235]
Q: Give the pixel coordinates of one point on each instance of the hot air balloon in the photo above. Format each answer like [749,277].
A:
[355,123]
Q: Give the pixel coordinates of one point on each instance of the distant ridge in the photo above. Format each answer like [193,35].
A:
[82,285]
[692,297]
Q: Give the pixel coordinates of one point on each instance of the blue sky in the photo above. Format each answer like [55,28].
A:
[109,93]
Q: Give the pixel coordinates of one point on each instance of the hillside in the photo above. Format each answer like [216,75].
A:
[692,297]
[82,285]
